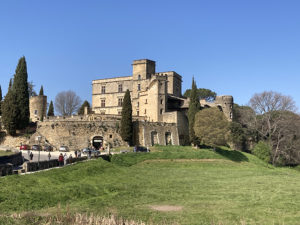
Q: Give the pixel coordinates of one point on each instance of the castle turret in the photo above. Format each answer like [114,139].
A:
[226,104]
[38,107]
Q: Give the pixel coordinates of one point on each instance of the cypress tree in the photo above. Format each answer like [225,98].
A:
[9,112]
[194,107]
[20,87]
[126,120]
[81,109]
[41,91]
[51,109]
[10,83]
[0,100]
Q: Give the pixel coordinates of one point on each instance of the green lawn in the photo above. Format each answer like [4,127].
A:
[222,187]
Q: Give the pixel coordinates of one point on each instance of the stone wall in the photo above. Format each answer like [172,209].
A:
[34,166]
[149,133]
[78,134]
[15,159]
[14,142]
[6,169]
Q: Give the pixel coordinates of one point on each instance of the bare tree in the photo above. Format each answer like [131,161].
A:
[67,103]
[272,120]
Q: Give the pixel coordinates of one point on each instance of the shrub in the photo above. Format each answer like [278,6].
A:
[262,151]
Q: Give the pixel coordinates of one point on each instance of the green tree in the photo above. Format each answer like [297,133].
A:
[20,87]
[31,90]
[9,112]
[126,120]
[81,109]
[41,91]
[203,93]
[10,83]
[194,107]
[241,135]
[211,127]
[262,151]
[51,109]
[0,100]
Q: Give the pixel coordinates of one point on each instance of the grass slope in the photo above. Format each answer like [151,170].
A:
[236,188]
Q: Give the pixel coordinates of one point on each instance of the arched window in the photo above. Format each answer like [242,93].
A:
[139,77]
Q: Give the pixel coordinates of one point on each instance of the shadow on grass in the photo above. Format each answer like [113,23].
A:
[235,156]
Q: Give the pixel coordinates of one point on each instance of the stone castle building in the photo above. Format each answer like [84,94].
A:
[159,111]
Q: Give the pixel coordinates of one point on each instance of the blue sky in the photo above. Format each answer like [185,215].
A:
[232,47]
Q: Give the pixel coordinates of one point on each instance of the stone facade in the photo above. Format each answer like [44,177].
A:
[156,97]
[149,92]
[37,107]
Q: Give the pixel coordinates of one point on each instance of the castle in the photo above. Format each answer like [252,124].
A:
[159,111]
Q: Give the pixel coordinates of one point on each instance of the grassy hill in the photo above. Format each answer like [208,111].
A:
[173,185]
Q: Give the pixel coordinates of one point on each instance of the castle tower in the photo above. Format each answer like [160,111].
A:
[37,107]
[226,104]
[142,70]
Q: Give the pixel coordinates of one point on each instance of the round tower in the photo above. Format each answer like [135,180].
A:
[226,104]
[37,107]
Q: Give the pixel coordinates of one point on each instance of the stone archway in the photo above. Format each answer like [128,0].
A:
[168,138]
[154,138]
[97,142]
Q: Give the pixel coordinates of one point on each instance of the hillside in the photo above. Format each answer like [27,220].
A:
[171,185]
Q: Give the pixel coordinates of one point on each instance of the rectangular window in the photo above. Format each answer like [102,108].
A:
[102,102]
[146,101]
[137,113]
[145,111]
[35,112]
[120,88]
[120,101]
[139,87]
[161,111]
[102,89]
[161,101]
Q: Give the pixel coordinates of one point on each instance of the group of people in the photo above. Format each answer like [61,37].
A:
[62,159]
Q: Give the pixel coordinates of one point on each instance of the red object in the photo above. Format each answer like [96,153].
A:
[24,147]
[60,158]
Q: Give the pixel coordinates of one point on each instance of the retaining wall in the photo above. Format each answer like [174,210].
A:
[6,169]
[14,159]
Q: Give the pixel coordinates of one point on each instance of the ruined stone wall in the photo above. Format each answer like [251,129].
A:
[223,102]
[151,133]
[77,134]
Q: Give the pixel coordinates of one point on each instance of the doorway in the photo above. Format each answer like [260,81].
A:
[97,142]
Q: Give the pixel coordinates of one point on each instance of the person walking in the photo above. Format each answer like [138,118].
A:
[90,153]
[49,156]
[65,158]
[31,156]
[61,160]
[76,153]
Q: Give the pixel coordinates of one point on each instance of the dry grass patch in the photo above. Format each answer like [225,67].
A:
[166,208]
[186,160]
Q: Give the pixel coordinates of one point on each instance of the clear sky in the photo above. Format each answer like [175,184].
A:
[234,47]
